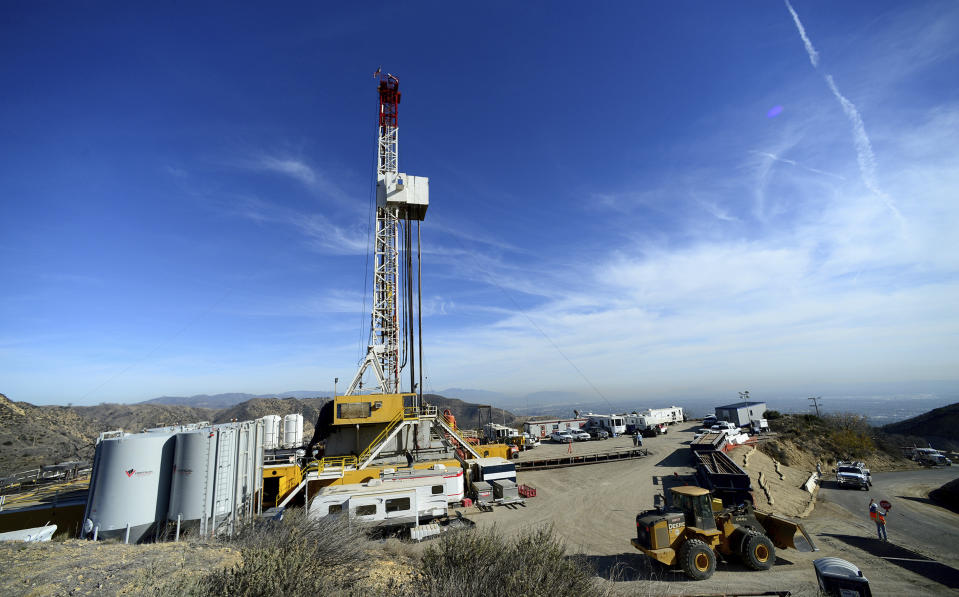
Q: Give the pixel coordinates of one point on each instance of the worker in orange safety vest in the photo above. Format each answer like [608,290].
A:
[879,517]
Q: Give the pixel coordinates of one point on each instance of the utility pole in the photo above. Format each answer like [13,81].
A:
[744,395]
[815,402]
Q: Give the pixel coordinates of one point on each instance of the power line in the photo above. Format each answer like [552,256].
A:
[536,327]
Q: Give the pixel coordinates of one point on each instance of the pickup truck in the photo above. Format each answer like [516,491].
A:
[931,457]
[561,437]
[853,474]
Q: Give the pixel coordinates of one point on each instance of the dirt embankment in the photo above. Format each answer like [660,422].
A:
[804,454]
[776,487]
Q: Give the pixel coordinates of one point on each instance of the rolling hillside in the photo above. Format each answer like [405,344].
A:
[939,427]
[31,435]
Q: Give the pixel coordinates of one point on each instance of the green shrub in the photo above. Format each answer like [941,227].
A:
[772,415]
[851,444]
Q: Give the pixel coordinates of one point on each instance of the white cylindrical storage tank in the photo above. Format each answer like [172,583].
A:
[271,430]
[130,486]
[299,431]
[292,431]
[191,492]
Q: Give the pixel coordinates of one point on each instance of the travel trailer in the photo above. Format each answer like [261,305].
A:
[452,478]
[613,424]
[379,503]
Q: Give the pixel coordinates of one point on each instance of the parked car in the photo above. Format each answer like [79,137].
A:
[710,421]
[597,433]
[561,437]
[580,435]
[654,430]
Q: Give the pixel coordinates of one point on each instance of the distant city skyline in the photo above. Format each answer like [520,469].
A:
[676,201]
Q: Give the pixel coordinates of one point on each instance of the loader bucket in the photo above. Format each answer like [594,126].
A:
[786,534]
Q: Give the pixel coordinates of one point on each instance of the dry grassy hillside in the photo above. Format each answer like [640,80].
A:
[137,417]
[938,427]
[260,407]
[31,436]
[466,412]
[802,440]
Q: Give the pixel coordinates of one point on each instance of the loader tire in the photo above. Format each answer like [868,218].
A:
[758,552]
[698,559]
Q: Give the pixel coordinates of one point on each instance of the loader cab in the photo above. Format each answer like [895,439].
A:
[696,505]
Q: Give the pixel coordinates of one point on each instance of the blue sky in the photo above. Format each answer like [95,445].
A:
[631,200]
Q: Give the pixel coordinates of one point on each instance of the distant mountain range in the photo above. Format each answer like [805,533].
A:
[878,409]
[217,401]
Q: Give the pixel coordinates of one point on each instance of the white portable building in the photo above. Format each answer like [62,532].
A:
[542,429]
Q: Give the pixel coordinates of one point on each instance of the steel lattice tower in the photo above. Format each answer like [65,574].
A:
[399,198]
[384,337]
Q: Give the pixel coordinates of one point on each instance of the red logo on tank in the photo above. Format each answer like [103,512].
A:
[130,472]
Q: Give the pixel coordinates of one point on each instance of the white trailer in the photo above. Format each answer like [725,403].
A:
[378,503]
[614,424]
[670,415]
[451,477]
[542,429]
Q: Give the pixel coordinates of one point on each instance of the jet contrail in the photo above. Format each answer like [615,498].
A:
[777,158]
[864,154]
[813,54]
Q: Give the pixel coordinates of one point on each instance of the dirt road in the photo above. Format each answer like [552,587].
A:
[594,508]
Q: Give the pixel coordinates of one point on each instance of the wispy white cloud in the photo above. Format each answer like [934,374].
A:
[290,167]
[834,289]
[810,50]
[302,172]
[321,233]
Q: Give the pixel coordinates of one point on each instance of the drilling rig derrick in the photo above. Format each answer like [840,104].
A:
[400,200]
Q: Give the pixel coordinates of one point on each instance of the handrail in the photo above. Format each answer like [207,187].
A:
[456,434]
[413,412]
[387,430]
[333,462]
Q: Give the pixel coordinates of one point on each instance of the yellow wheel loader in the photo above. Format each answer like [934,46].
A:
[697,527]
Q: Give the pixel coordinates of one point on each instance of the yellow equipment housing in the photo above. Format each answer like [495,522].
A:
[365,409]
[278,481]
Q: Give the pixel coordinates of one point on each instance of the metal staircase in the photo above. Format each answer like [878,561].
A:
[452,434]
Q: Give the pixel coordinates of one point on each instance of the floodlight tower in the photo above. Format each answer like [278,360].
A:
[400,199]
